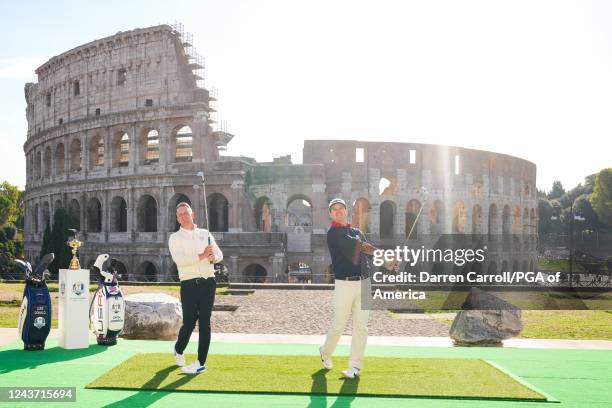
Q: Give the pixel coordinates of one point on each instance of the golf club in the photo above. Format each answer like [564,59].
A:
[201,175]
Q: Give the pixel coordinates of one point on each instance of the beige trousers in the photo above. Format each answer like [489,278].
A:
[347,299]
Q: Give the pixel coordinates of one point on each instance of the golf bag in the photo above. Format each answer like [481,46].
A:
[35,314]
[107,309]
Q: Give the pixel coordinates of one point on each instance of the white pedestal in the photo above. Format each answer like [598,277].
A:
[73,315]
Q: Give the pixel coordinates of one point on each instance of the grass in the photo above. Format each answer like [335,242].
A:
[424,377]
[567,324]
[448,301]
[561,265]
[561,324]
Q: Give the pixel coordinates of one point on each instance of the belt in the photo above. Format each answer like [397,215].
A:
[353,278]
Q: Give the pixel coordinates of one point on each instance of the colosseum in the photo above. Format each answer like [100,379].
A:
[119,128]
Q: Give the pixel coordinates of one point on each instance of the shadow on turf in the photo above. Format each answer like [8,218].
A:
[147,397]
[318,399]
[16,359]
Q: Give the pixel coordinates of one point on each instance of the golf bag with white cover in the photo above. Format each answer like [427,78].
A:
[107,309]
[35,314]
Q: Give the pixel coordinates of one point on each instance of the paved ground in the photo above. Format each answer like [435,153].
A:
[308,312]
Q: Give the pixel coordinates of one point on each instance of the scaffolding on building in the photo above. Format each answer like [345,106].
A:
[195,61]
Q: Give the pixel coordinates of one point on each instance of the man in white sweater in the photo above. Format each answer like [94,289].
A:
[195,252]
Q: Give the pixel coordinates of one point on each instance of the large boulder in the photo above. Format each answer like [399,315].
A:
[485,321]
[152,316]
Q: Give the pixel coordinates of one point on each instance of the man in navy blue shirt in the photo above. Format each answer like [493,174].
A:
[347,246]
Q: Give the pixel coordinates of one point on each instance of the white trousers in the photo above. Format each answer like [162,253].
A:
[347,299]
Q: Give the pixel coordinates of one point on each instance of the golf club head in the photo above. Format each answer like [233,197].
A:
[113,268]
[100,260]
[44,263]
[24,266]
[424,193]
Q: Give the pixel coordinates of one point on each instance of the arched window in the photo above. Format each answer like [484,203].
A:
[412,210]
[263,217]
[255,273]
[60,159]
[47,162]
[493,226]
[118,215]
[299,211]
[76,155]
[120,145]
[147,272]
[147,214]
[151,147]
[361,215]
[74,214]
[387,219]
[506,221]
[436,218]
[184,145]
[96,152]
[94,215]
[477,220]
[459,218]
[37,165]
[218,213]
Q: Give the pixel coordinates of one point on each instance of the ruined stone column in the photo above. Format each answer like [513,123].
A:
[133,153]
[163,215]
[236,203]
[164,145]
[83,212]
[234,273]
[108,150]
[131,214]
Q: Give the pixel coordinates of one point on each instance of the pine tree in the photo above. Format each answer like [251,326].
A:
[601,199]
[46,241]
[59,236]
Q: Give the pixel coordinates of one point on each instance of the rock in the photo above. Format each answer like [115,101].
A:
[487,321]
[152,316]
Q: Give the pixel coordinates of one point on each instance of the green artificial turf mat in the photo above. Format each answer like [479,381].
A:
[298,374]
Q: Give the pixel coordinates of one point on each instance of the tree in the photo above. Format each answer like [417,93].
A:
[46,241]
[570,197]
[557,190]
[10,249]
[601,199]
[9,199]
[582,207]
[589,181]
[58,238]
[20,211]
[545,211]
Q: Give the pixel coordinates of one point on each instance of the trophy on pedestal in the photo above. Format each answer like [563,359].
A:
[73,316]
[75,244]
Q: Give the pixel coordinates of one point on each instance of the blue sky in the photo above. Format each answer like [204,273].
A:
[527,78]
